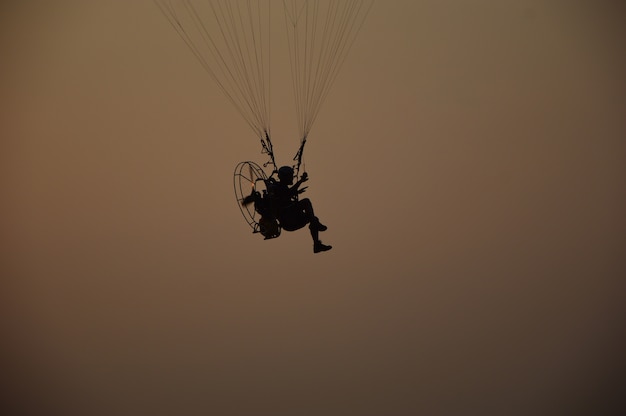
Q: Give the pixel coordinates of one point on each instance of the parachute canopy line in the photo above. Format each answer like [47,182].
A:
[320,36]
[231,40]
[268,149]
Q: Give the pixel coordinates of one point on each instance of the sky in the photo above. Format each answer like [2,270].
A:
[469,164]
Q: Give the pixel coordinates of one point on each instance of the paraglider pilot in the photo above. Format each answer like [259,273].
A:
[294,213]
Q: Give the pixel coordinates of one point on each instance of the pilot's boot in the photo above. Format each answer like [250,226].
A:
[318,246]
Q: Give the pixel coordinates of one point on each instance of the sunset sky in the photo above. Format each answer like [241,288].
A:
[470,163]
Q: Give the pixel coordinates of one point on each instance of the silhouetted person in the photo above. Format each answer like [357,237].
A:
[294,213]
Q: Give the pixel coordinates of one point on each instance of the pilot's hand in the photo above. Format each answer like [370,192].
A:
[304,177]
[302,190]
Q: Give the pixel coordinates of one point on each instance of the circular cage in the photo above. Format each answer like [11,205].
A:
[249,179]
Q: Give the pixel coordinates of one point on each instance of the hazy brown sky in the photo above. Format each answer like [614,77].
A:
[470,163]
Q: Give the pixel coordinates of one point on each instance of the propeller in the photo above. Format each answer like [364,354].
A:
[250,198]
